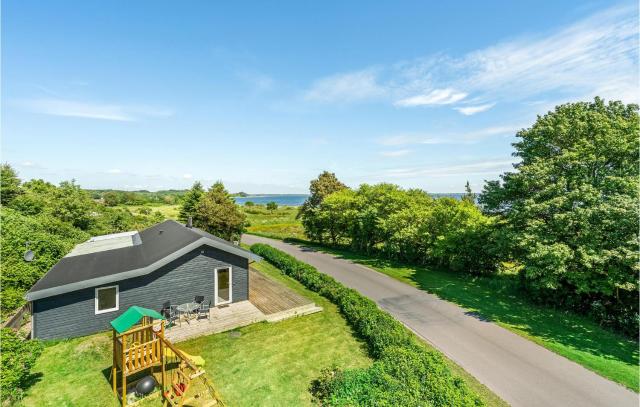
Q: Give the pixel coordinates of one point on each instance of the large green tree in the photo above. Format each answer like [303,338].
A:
[319,188]
[218,214]
[571,205]
[9,184]
[190,201]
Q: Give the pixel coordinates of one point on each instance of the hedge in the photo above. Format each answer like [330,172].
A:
[404,371]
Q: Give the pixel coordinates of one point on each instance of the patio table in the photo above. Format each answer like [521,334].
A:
[188,309]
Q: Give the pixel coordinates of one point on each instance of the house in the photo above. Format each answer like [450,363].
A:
[101,278]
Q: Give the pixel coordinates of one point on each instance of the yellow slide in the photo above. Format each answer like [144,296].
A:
[195,359]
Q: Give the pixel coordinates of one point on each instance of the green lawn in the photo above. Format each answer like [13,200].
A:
[270,364]
[497,298]
[273,364]
[278,224]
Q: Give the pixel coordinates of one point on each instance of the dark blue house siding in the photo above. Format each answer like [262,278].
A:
[73,314]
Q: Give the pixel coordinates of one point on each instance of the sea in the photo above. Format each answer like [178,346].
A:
[298,199]
[281,200]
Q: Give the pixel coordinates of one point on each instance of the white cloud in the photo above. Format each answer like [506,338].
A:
[395,153]
[458,137]
[27,164]
[471,110]
[435,97]
[345,87]
[595,56]
[91,110]
[476,168]
[115,171]
[187,176]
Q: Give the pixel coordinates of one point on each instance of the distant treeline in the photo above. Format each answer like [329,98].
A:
[114,197]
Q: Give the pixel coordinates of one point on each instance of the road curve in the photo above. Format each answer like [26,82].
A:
[519,371]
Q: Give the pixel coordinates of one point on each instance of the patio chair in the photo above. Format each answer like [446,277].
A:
[204,310]
[171,313]
[199,299]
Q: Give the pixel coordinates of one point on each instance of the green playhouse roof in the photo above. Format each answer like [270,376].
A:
[132,316]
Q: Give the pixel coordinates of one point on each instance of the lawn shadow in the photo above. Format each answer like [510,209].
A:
[31,380]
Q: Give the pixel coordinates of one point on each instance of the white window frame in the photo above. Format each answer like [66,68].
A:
[215,294]
[117,307]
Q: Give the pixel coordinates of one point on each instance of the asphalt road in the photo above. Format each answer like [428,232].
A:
[517,370]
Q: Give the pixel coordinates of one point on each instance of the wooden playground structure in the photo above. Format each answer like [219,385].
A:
[139,344]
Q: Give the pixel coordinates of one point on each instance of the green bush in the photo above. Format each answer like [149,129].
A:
[406,225]
[17,358]
[404,373]
[272,206]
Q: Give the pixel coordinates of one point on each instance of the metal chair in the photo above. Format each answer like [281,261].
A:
[199,299]
[171,314]
[204,310]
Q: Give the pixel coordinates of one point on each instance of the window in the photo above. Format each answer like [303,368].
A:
[107,299]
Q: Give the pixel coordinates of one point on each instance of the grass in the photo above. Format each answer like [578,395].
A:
[168,211]
[273,364]
[278,224]
[498,299]
[487,396]
[270,364]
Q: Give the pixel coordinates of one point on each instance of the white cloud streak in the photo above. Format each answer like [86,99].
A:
[395,153]
[435,97]
[471,110]
[467,137]
[596,56]
[346,87]
[91,110]
[476,168]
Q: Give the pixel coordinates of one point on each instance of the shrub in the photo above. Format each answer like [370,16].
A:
[144,210]
[272,206]
[17,359]
[404,373]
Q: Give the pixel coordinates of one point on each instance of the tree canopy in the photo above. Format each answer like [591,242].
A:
[407,225]
[571,205]
[9,184]
[190,201]
[319,188]
[218,214]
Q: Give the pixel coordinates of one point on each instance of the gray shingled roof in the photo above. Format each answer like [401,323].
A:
[161,244]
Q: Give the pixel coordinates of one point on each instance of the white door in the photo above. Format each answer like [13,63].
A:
[223,286]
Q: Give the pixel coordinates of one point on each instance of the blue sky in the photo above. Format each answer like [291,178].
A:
[265,95]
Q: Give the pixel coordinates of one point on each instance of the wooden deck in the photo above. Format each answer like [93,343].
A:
[268,301]
[271,297]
